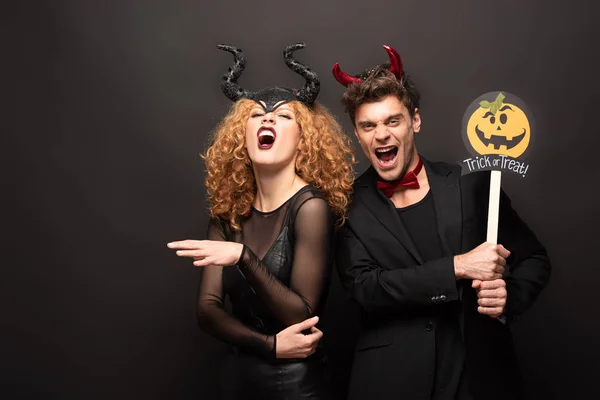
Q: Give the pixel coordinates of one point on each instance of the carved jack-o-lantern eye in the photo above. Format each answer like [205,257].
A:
[499,128]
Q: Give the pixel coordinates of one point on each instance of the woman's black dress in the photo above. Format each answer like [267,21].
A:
[282,278]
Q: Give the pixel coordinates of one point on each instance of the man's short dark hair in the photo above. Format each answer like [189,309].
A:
[380,83]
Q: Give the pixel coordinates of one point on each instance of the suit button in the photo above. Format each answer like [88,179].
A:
[443,297]
[429,326]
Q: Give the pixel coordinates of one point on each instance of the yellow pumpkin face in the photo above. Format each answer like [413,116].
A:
[500,129]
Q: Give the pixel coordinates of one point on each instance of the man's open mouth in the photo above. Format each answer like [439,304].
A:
[386,155]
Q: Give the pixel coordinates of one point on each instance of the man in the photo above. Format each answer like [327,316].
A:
[436,300]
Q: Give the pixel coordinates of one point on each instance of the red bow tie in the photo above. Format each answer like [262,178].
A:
[408,181]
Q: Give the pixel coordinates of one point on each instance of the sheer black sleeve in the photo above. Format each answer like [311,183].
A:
[313,246]
[215,320]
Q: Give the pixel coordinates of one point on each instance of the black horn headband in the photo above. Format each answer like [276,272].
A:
[275,95]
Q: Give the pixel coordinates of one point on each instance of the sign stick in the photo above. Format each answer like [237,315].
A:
[493,211]
[494,207]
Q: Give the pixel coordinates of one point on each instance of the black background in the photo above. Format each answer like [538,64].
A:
[107,105]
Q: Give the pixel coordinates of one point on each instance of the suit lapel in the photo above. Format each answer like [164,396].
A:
[446,194]
[384,210]
[445,191]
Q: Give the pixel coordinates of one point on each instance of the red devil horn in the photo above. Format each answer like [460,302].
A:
[395,62]
[343,77]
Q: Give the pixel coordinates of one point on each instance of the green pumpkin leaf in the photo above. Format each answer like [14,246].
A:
[494,108]
[500,99]
[485,104]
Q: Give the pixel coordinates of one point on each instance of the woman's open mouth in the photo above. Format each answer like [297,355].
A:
[386,156]
[266,137]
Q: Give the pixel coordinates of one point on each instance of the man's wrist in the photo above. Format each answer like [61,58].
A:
[458,270]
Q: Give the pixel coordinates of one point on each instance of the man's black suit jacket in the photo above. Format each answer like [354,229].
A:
[397,293]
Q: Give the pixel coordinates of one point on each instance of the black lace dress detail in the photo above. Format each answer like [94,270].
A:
[282,278]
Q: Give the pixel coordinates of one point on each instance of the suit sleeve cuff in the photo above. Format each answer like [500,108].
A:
[445,288]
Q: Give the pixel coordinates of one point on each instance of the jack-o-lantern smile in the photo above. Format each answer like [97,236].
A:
[499,128]
[497,140]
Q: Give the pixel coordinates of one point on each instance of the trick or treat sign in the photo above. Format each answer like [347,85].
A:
[497,131]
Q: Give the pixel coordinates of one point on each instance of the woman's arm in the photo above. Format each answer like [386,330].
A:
[313,253]
[212,316]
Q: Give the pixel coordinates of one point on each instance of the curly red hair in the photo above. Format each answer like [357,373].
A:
[325,160]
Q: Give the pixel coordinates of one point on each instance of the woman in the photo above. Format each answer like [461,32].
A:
[279,179]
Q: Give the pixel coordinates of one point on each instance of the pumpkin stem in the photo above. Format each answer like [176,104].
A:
[495,105]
